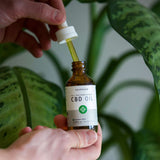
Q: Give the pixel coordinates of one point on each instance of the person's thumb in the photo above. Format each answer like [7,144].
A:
[82,138]
[42,12]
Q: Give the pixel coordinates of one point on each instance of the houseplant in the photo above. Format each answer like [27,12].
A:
[140,27]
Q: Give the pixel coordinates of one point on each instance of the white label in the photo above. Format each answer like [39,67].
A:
[81,105]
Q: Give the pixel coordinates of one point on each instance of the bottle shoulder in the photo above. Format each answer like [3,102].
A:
[80,80]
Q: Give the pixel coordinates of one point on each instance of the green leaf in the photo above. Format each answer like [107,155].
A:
[120,137]
[25,100]
[121,124]
[99,28]
[107,144]
[90,1]
[152,115]
[66,2]
[146,146]
[110,69]
[141,27]
[105,99]
[121,133]
[87,1]
[63,73]
[7,50]
[156,8]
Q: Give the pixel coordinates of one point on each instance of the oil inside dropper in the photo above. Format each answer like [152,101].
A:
[72,50]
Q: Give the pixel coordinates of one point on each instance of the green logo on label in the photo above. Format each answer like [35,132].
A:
[82,109]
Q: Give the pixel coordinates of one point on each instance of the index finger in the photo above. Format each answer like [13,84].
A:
[58,4]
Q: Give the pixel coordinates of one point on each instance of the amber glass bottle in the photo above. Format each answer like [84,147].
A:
[81,99]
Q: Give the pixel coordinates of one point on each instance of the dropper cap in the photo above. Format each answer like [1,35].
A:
[65,32]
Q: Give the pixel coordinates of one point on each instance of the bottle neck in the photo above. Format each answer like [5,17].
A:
[78,67]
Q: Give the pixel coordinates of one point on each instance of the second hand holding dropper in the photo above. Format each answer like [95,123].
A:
[65,34]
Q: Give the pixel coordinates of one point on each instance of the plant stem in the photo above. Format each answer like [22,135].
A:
[118,122]
[99,28]
[119,129]
[63,74]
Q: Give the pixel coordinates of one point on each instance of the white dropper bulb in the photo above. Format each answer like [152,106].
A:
[65,33]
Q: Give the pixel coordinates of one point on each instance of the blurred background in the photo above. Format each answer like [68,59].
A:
[129,104]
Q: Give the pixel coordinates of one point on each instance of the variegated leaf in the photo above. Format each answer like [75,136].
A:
[25,100]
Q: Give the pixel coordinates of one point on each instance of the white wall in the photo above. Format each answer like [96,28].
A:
[129,104]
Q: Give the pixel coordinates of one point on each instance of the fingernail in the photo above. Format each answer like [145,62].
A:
[91,137]
[58,16]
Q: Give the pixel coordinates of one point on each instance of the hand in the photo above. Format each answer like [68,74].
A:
[17,15]
[44,143]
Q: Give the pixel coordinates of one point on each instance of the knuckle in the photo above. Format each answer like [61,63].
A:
[47,12]
[80,139]
[11,10]
[18,11]
[43,9]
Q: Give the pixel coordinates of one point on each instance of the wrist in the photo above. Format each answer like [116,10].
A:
[4,154]
[8,154]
